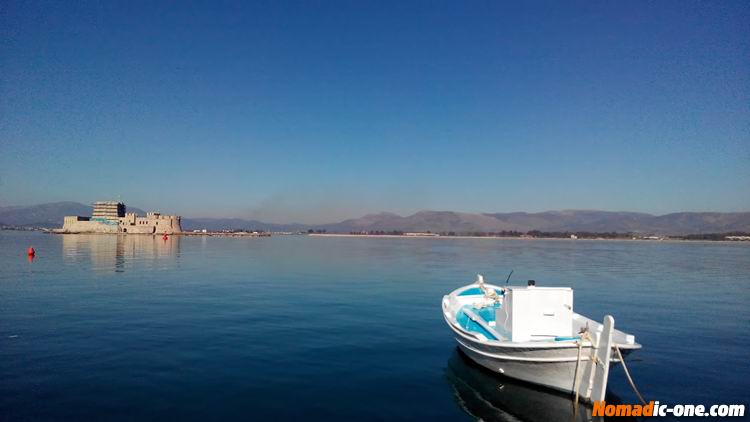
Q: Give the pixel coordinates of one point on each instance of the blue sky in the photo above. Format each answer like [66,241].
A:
[317,111]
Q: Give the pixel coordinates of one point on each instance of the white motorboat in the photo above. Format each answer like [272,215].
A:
[531,333]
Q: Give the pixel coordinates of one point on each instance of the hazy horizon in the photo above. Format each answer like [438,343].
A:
[315,113]
[400,214]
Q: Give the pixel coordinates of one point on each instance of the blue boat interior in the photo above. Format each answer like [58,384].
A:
[487,314]
[475,291]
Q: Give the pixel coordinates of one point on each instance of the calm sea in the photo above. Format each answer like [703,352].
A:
[284,328]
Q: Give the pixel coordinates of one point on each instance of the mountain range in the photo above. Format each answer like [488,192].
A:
[51,215]
[551,221]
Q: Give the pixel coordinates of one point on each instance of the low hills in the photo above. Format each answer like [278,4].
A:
[51,215]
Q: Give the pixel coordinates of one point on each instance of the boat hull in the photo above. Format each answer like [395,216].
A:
[552,368]
[547,366]
[488,397]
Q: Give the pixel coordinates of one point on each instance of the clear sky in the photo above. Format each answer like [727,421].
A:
[315,111]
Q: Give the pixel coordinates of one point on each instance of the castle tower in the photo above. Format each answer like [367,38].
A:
[108,210]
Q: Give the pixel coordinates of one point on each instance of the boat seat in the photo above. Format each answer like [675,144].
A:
[486,330]
[486,312]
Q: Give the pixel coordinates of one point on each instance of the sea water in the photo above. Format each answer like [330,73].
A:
[292,327]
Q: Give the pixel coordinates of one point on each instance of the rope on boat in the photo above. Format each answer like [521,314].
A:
[627,374]
[576,377]
[584,335]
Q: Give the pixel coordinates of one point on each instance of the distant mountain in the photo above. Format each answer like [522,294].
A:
[46,215]
[550,221]
[435,221]
[51,215]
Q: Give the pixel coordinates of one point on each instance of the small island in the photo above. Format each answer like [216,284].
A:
[112,217]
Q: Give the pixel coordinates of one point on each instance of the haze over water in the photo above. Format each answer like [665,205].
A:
[137,328]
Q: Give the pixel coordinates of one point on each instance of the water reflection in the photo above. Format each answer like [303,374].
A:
[490,397]
[113,253]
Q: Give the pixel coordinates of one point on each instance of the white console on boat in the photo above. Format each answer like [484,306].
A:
[536,313]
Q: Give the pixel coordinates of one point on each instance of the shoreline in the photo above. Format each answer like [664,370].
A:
[391,236]
[385,236]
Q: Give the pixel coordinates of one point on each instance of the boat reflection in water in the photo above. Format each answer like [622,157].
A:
[489,397]
[114,253]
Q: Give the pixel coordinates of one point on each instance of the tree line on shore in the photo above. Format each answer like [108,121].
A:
[553,234]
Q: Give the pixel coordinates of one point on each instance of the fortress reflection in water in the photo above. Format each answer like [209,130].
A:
[114,253]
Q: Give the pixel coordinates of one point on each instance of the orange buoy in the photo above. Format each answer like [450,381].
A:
[31,251]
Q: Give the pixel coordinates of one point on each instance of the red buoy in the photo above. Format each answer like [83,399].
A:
[165,237]
[31,251]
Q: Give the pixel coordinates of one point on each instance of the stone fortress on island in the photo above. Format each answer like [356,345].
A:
[111,217]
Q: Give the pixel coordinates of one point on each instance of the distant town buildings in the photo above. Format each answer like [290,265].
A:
[111,217]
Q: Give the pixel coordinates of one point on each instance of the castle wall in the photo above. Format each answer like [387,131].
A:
[84,225]
[153,223]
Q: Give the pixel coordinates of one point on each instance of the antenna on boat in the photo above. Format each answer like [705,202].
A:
[508,279]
